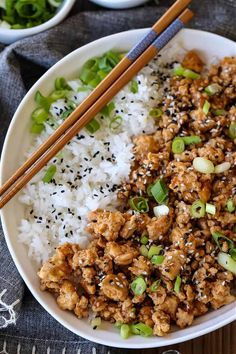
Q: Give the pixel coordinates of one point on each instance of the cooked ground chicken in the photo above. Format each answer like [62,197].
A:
[184,280]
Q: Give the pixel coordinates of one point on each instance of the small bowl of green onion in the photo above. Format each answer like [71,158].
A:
[23,18]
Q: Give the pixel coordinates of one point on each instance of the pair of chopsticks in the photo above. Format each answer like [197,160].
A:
[160,34]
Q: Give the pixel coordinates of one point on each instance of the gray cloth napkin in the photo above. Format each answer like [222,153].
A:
[21,64]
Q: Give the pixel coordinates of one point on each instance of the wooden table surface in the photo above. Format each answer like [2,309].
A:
[222,341]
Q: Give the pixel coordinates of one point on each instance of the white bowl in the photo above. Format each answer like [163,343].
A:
[8,36]
[119,4]
[18,140]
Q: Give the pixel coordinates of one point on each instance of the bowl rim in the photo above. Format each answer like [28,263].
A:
[36,292]
[59,15]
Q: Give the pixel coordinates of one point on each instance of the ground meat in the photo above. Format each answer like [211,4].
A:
[162,269]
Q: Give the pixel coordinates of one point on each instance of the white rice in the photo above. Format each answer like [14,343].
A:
[57,212]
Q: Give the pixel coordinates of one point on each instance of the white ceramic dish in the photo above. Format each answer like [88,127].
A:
[119,4]
[8,36]
[18,139]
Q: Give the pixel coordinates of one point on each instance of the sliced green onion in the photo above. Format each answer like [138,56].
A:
[42,101]
[39,115]
[149,193]
[91,64]
[206,107]
[227,262]
[83,89]
[223,167]
[56,95]
[134,86]
[141,329]
[155,112]
[96,322]
[92,126]
[210,208]
[37,128]
[189,74]
[193,139]
[212,89]
[230,205]
[232,252]
[87,75]
[159,191]
[155,285]
[49,174]
[177,285]
[29,9]
[232,130]
[217,236]
[107,110]
[144,240]
[125,331]
[66,113]
[113,58]
[178,145]
[203,165]
[157,259]
[219,112]
[153,250]
[118,324]
[115,123]
[139,204]
[138,286]
[143,251]
[60,84]
[198,209]
[178,70]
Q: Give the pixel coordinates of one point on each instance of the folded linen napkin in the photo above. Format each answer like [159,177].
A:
[25,327]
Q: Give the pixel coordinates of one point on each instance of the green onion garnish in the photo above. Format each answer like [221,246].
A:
[39,115]
[213,89]
[134,86]
[125,331]
[143,251]
[141,329]
[232,130]
[189,74]
[56,95]
[155,112]
[232,252]
[37,128]
[217,236]
[178,145]
[49,174]
[42,101]
[206,107]
[159,191]
[149,193]
[61,84]
[219,112]
[157,259]
[155,285]
[210,208]
[96,322]
[203,165]
[230,205]
[177,285]
[227,262]
[144,240]
[154,250]
[66,113]
[115,123]
[192,139]
[138,286]
[92,126]
[107,110]
[198,209]
[139,204]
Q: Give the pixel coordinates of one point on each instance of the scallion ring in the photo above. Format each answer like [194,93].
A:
[230,205]
[213,89]
[210,209]
[141,329]
[93,126]
[155,285]
[115,123]
[232,130]
[206,107]
[217,236]
[49,174]
[198,209]
[157,259]
[177,285]
[159,191]
[138,286]
[155,112]
[139,204]
[178,145]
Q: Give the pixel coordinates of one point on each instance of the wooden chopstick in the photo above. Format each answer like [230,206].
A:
[133,69]
[157,28]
